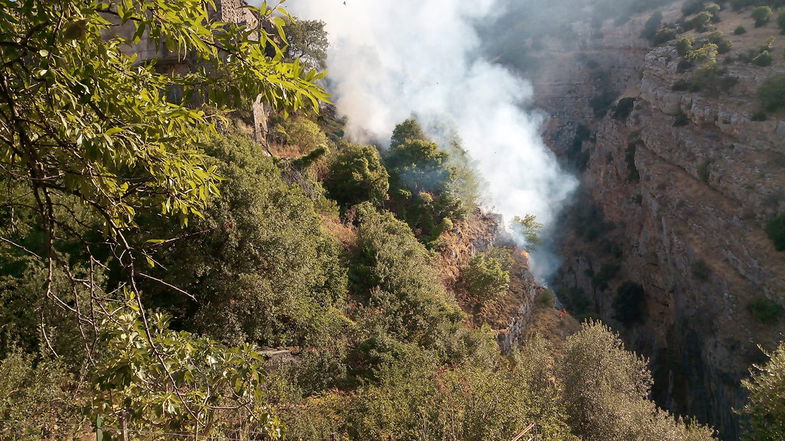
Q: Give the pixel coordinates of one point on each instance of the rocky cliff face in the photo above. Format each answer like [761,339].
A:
[677,189]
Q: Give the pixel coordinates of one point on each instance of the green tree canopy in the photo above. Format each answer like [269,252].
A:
[357,175]
[765,407]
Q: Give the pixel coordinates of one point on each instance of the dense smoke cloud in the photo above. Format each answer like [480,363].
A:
[391,59]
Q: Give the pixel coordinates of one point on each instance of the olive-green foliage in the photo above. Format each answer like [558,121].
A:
[423,179]
[529,228]
[761,15]
[771,93]
[765,311]
[664,35]
[764,409]
[701,22]
[357,174]
[781,22]
[302,133]
[740,30]
[776,231]
[547,298]
[704,171]
[408,130]
[724,45]
[684,44]
[402,290]
[605,392]
[468,402]
[307,41]
[692,7]
[104,130]
[760,56]
[220,390]
[38,400]
[258,262]
[485,279]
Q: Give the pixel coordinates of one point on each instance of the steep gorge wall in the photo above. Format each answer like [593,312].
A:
[682,214]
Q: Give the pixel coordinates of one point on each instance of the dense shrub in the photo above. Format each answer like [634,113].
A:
[684,45]
[485,279]
[701,22]
[664,35]
[692,7]
[704,172]
[761,15]
[605,390]
[357,174]
[700,270]
[629,304]
[392,271]
[258,262]
[766,387]
[547,298]
[427,184]
[38,400]
[759,116]
[408,130]
[710,79]
[307,41]
[776,232]
[764,310]
[771,93]
[418,403]
[724,45]
[781,22]
[740,30]
[301,133]
[763,59]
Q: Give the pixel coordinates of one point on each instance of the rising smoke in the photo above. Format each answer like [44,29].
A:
[391,59]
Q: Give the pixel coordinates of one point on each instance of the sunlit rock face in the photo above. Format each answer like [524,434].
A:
[675,197]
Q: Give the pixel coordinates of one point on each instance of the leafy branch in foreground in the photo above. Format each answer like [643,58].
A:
[90,142]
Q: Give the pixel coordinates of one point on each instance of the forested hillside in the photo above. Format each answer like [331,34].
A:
[167,273]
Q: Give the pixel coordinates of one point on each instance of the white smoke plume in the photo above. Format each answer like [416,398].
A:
[390,59]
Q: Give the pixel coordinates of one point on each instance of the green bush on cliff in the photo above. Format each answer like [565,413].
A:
[605,390]
[781,22]
[765,311]
[257,263]
[391,272]
[429,183]
[776,231]
[771,93]
[765,410]
[357,174]
[761,15]
[485,279]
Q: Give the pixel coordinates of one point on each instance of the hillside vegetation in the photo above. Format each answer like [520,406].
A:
[164,276]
